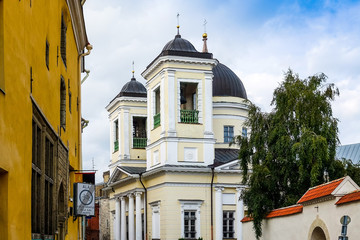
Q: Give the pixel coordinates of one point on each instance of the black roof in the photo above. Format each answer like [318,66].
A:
[133,170]
[133,89]
[225,155]
[227,83]
[179,44]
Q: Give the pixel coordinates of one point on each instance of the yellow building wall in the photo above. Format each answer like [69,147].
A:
[25,27]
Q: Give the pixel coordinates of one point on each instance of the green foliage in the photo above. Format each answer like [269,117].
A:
[290,148]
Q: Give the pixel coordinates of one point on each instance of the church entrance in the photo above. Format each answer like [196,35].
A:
[318,234]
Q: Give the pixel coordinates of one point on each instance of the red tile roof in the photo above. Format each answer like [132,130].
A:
[285,211]
[279,212]
[350,197]
[320,191]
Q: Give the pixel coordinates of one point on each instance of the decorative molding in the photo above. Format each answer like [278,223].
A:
[178,59]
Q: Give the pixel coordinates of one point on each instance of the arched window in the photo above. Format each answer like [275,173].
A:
[318,234]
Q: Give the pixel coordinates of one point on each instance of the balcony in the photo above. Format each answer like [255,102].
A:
[156,120]
[116,146]
[189,116]
[139,142]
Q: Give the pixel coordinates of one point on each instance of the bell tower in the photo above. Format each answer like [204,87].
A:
[179,106]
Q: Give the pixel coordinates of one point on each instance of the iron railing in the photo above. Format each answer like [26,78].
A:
[189,116]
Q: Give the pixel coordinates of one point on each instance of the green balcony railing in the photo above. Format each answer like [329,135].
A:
[156,120]
[139,142]
[189,116]
[116,146]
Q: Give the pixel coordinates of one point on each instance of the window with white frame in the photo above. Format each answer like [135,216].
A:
[244,132]
[189,224]
[155,219]
[228,134]
[228,224]
[190,218]
[156,107]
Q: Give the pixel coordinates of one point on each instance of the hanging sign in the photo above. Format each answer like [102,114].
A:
[84,199]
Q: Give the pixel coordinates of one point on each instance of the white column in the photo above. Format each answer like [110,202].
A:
[119,134]
[131,217]
[163,113]
[117,219]
[138,225]
[239,213]
[208,124]
[126,135]
[123,219]
[218,213]
[172,103]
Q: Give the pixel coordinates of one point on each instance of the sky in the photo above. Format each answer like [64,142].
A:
[258,39]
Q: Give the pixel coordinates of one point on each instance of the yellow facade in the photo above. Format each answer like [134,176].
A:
[30,31]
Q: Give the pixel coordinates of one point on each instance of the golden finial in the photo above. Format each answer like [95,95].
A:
[178,24]
[133,71]
[205,50]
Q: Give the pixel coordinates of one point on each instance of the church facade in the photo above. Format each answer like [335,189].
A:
[173,173]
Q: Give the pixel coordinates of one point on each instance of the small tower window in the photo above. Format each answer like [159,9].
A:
[244,132]
[228,134]
[63,40]
[188,103]
[62,104]
[116,135]
[157,108]
[139,132]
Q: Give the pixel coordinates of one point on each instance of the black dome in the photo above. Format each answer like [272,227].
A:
[179,44]
[133,89]
[226,83]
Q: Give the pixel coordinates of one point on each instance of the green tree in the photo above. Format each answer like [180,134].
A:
[290,148]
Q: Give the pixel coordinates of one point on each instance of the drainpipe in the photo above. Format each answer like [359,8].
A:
[89,47]
[87,75]
[211,202]
[145,207]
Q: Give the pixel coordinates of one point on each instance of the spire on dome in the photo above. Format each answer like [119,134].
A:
[205,49]
[133,71]
[178,25]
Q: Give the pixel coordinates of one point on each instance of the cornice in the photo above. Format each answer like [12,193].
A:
[78,24]
[180,59]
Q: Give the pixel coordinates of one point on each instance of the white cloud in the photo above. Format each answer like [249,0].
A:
[259,48]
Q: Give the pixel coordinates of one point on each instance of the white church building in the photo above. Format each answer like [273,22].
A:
[173,174]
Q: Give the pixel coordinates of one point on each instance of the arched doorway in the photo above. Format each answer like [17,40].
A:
[318,234]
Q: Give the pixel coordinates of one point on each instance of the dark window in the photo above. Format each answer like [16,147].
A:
[228,134]
[69,92]
[157,119]
[42,181]
[63,40]
[228,224]
[47,49]
[139,132]
[116,135]
[62,104]
[189,224]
